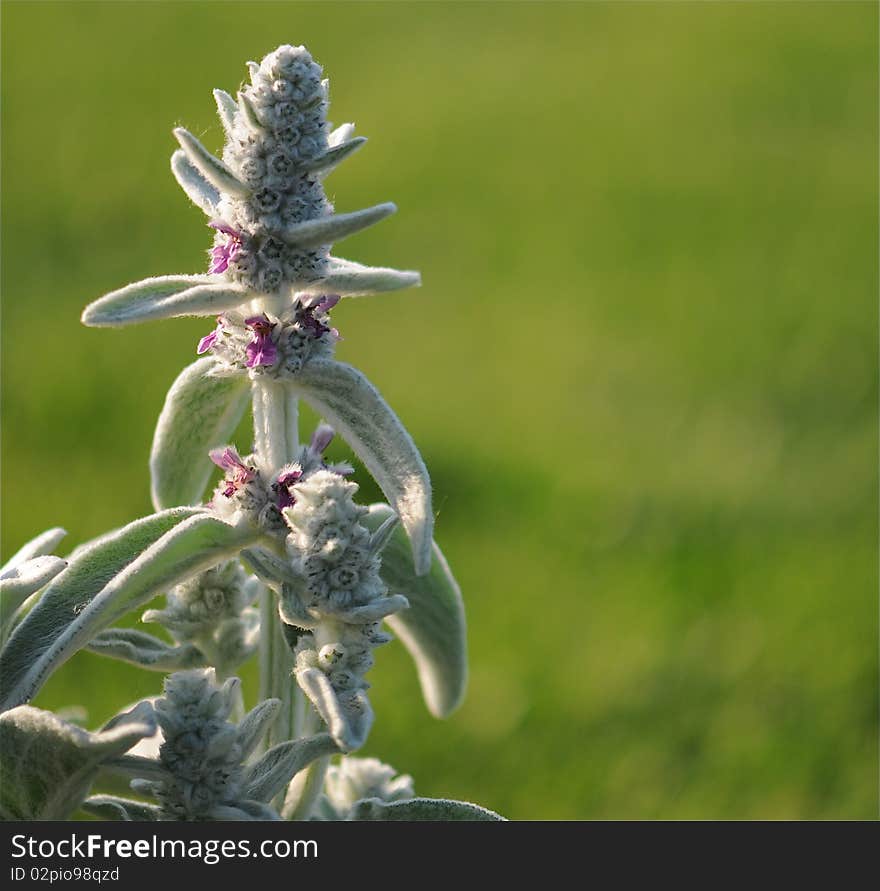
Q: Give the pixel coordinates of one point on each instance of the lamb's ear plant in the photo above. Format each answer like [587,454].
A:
[280,560]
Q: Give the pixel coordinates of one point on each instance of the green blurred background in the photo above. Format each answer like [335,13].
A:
[642,368]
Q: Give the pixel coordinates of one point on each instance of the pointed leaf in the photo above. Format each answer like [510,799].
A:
[433,628]
[349,730]
[22,580]
[48,765]
[380,538]
[249,114]
[270,568]
[205,196]
[333,157]
[89,569]
[435,810]
[164,297]
[19,583]
[200,412]
[226,110]
[253,726]
[242,811]
[146,651]
[341,134]
[109,807]
[380,608]
[271,773]
[352,405]
[326,230]
[43,544]
[213,169]
[137,766]
[77,605]
[351,279]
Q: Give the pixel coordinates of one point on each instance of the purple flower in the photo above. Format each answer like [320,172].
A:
[310,461]
[237,472]
[224,254]
[285,481]
[261,350]
[317,304]
[207,342]
[321,438]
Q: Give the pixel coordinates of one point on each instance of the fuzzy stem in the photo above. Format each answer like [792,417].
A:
[270,425]
[276,669]
[291,418]
[306,786]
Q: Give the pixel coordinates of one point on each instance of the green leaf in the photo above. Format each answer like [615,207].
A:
[20,582]
[435,810]
[352,405]
[200,412]
[145,651]
[226,110]
[326,230]
[254,725]
[48,765]
[164,297]
[43,544]
[433,628]
[333,157]
[197,188]
[249,114]
[109,807]
[271,773]
[351,279]
[105,582]
[213,169]
[348,727]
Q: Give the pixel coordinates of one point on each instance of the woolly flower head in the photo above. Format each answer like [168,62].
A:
[204,602]
[201,752]
[334,557]
[355,779]
[273,346]
[277,132]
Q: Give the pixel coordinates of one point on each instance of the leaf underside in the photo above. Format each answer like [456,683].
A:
[433,629]
[117,574]
[352,405]
[200,412]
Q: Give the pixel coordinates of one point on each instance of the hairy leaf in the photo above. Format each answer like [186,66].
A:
[144,650]
[352,405]
[43,544]
[226,110]
[164,297]
[435,810]
[433,628]
[350,279]
[326,230]
[349,729]
[20,582]
[106,582]
[334,156]
[253,726]
[205,196]
[213,169]
[109,807]
[200,412]
[48,765]
[271,773]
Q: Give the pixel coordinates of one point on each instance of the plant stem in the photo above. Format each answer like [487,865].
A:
[273,428]
[276,439]
[306,786]
[276,670]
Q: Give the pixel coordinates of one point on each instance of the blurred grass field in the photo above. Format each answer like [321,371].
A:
[642,368]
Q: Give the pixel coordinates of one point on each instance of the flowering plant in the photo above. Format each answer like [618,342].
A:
[280,560]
